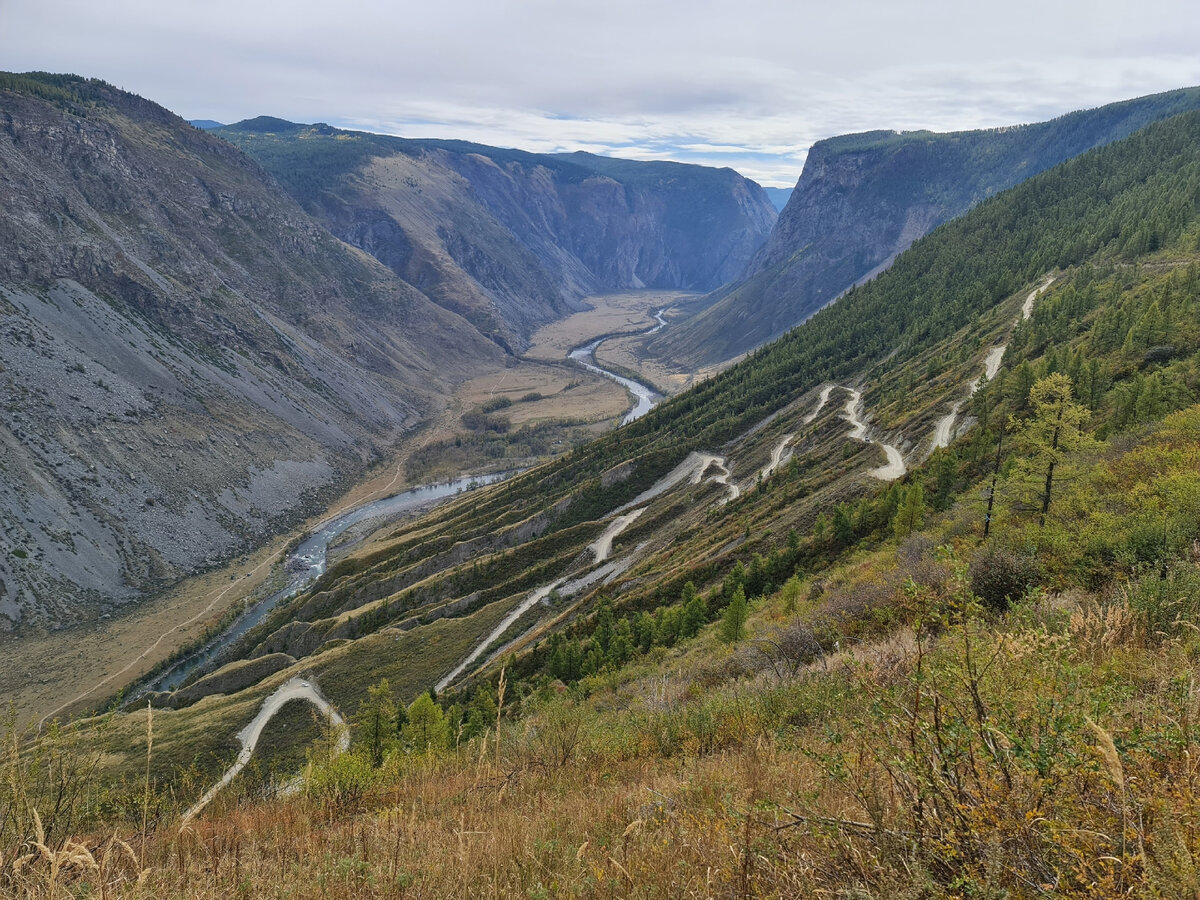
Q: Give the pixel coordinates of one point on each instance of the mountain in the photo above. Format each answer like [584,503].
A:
[188,360]
[206,124]
[796,452]
[863,198]
[511,240]
[778,196]
[789,633]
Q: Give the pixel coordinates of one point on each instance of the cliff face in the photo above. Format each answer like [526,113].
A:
[510,239]
[863,199]
[187,359]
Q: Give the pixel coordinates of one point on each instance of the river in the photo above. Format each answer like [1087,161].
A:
[644,398]
[305,565]
[307,562]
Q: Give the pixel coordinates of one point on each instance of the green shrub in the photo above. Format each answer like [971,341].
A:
[1167,601]
[496,403]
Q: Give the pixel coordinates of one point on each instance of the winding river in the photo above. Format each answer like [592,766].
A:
[644,398]
[305,565]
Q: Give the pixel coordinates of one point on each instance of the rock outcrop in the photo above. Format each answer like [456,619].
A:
[511,239]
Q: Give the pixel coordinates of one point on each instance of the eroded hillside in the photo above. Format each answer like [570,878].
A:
[509,239]
[864,198]
[188,359]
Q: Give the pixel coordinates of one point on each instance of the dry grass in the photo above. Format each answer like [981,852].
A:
[89,663]
[566,393]
[606,314]
[1048,753]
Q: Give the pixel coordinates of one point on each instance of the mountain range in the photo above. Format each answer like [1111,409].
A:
[508,239]
[902,603]
[192,361]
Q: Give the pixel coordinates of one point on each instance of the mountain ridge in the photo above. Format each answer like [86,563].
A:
[565,225]
[863,199]
[162,300]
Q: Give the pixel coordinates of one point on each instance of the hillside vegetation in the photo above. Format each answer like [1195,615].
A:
[789,677]
[864,198]
[188,361]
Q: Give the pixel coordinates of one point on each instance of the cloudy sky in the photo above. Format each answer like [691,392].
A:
[748,84]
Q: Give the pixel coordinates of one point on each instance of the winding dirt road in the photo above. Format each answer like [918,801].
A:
[943,432]
[292,689]
[821,401]
[895,467]
[602,546]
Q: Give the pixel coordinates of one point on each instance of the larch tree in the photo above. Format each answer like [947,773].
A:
[1054,429]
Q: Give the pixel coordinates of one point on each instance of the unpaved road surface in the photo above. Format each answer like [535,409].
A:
[292,689]
[858,431]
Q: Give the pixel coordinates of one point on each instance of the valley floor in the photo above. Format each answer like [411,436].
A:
[627,317]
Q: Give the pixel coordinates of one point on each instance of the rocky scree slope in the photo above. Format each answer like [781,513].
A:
[512,239]
[864,198]
[187,359]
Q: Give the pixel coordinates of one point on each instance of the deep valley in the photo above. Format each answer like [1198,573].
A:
[414,518]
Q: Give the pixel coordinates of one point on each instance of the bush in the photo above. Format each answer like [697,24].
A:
[496,403]
[999,576]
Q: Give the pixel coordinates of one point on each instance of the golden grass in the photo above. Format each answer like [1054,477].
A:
[606,314]
[1050,763]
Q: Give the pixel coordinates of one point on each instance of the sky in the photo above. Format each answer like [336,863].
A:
[748,84]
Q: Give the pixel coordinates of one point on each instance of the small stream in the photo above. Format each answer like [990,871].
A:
[305,565]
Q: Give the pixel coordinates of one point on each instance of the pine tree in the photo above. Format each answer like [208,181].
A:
[426,727]
[376,721]
[695,611]
[843,527]
[791,594]
[911,512]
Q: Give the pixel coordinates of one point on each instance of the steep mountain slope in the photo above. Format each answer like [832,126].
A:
[186,357]
[779,196]
[511,239]
[679,495]
[864,198]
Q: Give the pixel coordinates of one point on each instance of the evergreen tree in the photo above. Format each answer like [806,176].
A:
[791,594]
[911,512]
[426,726]
[843,527]
[376,721]
[695,613]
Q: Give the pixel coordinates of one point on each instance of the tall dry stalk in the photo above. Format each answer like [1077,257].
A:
[146,789]
[499,709]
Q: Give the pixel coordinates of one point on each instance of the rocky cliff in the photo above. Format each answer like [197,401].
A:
[864,198]
[187,358]
[512,239]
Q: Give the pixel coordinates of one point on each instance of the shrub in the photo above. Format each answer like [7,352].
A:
[999,576]
[1166,601]
[496,403]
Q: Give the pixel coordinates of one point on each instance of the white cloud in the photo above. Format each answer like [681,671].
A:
[750,85]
